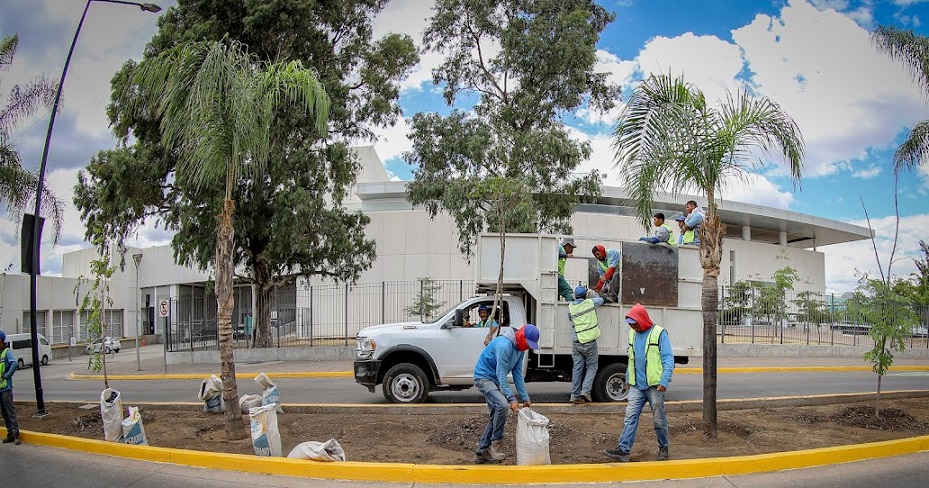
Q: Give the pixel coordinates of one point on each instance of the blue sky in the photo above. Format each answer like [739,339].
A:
[814,58]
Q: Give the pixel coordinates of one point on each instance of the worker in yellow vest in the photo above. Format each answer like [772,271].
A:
[651,362]
[7,368]
[664,234]
[685,236]
[583,315]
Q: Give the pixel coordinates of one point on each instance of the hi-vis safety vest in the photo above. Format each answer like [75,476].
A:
[688,237]
[653,366]
[4,382]
[584,317]
[671,240]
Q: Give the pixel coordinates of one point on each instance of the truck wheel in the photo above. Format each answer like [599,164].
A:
[44,360]
[405,383]
[610,383]
[20,363]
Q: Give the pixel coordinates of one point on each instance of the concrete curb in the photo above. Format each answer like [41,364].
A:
[349,374]
[491,475]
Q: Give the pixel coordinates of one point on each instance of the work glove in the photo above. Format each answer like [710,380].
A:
[600,285]
[650,240]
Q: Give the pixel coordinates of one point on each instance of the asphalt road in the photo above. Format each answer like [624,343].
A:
[56,386]
[29,465]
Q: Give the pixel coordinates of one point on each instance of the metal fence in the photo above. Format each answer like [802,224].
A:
[323,315]
[767,316]
[316,315]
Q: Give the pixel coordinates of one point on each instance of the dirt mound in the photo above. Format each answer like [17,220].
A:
[891,419]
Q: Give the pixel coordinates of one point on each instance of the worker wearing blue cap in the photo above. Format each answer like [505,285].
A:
[583,315]
[7,368]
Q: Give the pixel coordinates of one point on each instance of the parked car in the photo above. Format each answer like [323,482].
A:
[108,344]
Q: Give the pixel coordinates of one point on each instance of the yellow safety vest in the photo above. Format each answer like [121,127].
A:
[653,366]
[671,240]
[3,381]
[585,321]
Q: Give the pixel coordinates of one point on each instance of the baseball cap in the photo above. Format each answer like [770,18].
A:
[532,334]
[580,292]
[483,308]
[680,218]
[2,336]
[630,320]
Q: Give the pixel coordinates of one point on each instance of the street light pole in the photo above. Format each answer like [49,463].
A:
[33,273]
[137,258]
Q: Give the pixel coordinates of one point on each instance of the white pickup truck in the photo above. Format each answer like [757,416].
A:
[413,358]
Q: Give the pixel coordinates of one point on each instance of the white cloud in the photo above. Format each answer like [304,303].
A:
[867,174]
[392,141]
[843,260]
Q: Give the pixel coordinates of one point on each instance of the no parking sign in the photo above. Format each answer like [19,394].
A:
[164,306]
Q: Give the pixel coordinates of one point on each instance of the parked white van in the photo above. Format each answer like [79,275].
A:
[21,344]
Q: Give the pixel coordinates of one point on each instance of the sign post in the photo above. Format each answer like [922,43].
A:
[164,309]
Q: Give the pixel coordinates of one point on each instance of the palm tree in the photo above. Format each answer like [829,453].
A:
[18,186]
[913,51]
[667,138]
[216,104]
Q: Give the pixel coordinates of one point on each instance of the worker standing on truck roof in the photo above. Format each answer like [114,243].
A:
[583,314]
[608,269]
[565,251]
[651,362]
[503,356]
[664,234]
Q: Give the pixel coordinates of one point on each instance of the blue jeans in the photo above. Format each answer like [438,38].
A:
[585,358]
[9,413]
[637,399]
[498,406]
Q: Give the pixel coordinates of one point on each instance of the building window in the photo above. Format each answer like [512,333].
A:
[62,326]
[732,279]
[40,316]
[112,324]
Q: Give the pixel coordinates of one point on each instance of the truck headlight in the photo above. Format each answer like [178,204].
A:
[364,347]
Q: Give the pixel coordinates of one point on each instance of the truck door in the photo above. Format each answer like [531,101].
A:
[461,345]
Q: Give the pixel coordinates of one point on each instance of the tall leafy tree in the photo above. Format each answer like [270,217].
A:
[18,186]
[216,105]
[290,222]
[668,137]
[913,51]
[521,64]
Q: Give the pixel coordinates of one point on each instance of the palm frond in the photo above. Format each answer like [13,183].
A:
[915,149]
[907,47]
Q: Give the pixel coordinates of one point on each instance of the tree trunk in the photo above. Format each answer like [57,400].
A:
[235,429]
[711,248]
[262,275]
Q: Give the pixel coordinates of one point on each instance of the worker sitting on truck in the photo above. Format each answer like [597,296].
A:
[583,314]
[664,234]
[565,250]
[608,268]
[502,357]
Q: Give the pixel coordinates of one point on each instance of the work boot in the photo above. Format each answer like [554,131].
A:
[586,397]
[485,457]
[496,451]
[578,400]
[617,454]
[8,439]
[662,454]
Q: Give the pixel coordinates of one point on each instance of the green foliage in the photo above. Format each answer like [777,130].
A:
[289,220]
[737,303]
[811,308]
[542,66]
[771,302]
[425,304]
[18,186]
[97,298]
[891,318]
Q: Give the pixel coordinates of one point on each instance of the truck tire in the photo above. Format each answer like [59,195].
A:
[405,383]
[610,383]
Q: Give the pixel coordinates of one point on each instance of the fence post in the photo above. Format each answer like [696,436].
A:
[346,314]
[752,297]
[311,315]
[722,327]
[383,302]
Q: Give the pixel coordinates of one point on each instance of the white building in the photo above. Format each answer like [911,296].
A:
[759,241]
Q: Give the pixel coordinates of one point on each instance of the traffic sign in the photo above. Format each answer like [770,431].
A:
[164,306]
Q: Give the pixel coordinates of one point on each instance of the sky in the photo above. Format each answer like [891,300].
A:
[814,58]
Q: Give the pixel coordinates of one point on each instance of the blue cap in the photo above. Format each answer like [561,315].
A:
[532,334]
[483,308]
[630,320]
[2,336]
[680,218]
[580,292]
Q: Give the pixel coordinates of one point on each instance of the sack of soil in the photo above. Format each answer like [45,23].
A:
[247,402]
[532,438]
[318,451]
[111,413]
[133,431]
[266,438]
[211,392]
[271,395]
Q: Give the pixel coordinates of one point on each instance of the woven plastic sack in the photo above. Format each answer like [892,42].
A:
[319,451]
[266,438]
[247,402]
[211,393]
[532,438]
[133,430]
[111,413]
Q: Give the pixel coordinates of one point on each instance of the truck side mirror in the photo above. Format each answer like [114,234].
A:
[459,318]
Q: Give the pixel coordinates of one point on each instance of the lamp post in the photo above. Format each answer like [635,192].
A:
[39,397]
[137,258]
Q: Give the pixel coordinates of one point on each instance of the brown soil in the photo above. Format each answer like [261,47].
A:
[443,438]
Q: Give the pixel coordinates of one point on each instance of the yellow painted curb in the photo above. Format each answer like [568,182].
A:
[555,474]
[200,376]
[795,369]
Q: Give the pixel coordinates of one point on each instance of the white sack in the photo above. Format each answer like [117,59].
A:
[532,438]
[211,392]
[319,451]
[263,381]
[111,413]
[266,439]
[247,402]
[133,431]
